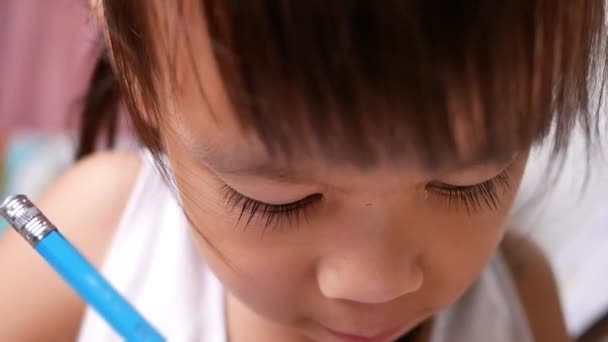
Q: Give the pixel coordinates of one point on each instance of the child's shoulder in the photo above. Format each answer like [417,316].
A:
[95,190]
[86,203]
[117,168]
[92,195]
[535,284]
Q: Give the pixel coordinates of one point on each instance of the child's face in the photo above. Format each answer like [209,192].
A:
[374,252]
[363,252]
[357,252]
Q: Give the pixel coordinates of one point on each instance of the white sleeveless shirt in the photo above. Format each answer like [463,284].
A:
[153,263]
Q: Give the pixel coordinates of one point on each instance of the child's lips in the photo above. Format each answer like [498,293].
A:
[381,336]
[384,334]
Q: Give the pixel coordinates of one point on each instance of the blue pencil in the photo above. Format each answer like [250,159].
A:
[29,221]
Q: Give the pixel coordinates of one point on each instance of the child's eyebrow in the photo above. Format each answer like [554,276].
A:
[300,172]
[263,168]
[280,174]
[236,161]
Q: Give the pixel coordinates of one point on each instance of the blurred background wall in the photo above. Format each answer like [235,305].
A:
[47,51]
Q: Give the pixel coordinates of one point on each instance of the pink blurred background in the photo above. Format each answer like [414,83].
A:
[47,52]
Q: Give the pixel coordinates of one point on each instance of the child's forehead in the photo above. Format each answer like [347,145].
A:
[210,129]
[443,130]
[226,148]
[391,86]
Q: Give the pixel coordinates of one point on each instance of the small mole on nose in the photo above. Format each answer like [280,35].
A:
[368,204]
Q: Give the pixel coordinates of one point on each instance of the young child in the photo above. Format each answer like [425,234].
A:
[318,171]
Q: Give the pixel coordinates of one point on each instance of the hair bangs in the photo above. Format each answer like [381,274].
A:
[375,80]
[370,81]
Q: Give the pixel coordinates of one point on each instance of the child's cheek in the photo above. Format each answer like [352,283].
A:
[269,283]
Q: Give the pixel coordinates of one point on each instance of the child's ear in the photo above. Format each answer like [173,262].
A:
[97,13]
[96,10]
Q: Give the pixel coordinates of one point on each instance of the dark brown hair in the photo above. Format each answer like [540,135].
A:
[371,79]
[100,112]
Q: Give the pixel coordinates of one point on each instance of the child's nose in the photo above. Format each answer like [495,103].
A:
[369,277]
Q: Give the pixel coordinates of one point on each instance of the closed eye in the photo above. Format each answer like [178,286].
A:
[472,197]
[273,215]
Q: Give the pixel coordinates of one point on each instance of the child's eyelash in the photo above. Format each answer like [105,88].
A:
[473,197]
[273,214]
